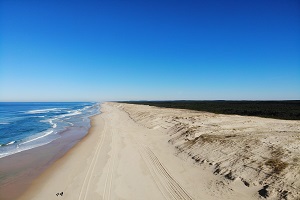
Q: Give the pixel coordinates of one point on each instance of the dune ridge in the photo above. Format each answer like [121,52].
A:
[262,153]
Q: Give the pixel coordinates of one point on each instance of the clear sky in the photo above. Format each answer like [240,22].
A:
[60,50]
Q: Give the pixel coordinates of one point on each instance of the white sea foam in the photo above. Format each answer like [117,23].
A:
[23,148]
[86,107]
[11,142]
[4,123]
[44,110]
[54,125]
[71,113]
[46,133]
[70,123]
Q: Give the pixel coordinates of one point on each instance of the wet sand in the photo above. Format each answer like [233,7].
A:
[18,171]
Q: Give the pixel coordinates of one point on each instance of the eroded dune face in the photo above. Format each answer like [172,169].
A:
[258,151]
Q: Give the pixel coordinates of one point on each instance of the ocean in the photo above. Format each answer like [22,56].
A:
[25,126]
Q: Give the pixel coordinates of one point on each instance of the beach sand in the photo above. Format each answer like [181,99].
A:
[136,152]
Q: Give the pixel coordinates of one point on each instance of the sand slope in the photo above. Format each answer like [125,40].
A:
[263,154]
[126,155]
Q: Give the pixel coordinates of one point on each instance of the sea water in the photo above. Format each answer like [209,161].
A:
[25,126]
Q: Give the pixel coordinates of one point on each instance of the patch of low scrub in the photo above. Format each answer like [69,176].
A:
[277,152]
[216,138]
[276,164]
[207,138]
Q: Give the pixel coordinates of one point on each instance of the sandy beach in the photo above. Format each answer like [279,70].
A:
[116,162]
[140,152]
[150,100]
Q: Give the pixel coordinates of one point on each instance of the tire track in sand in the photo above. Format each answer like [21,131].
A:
[165,182]
[111,166]
[88,176]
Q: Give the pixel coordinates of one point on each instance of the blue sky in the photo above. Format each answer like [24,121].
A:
[54,50]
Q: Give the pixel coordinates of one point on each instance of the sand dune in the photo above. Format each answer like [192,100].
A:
[263,154]
[129,154]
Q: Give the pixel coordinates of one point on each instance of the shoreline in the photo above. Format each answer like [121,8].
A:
[66,164]
[20,170]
